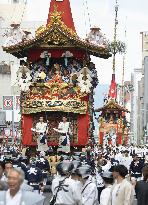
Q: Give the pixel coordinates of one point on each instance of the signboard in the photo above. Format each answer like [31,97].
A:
[7,102]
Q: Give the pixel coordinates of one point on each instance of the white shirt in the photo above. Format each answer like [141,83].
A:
[114,139]
[64,127]
[16,200]
[70,192]
[105,195]
[99,180]
[41,127]
[107,166]
[4,178]
[126,161]
[89,193]
[115,193]
[118,157]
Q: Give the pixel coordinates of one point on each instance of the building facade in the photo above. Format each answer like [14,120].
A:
[142,95]
[140,111]
[145,100]
[135,78]
[11,11]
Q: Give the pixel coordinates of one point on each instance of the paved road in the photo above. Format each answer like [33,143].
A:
[48,197]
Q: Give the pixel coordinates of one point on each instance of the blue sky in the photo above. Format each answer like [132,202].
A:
[132,15]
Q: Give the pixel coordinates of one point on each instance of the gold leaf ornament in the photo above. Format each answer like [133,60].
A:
[42,75]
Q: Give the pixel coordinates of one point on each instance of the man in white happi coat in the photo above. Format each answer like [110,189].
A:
[89,190]
[114,137]
[126,159]
[41,130]
[64,188]
[64,140]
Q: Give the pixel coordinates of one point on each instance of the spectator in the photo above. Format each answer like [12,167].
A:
[122,192]
[142,188]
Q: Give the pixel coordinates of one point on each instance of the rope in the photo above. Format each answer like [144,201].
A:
[88,13]
[85,19]
[23,12]
[13,12]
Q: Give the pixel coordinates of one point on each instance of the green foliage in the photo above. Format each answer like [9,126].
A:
[117,47]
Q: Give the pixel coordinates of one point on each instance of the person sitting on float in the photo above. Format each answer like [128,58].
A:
[65,76]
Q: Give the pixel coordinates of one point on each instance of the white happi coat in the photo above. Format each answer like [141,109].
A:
[126,161]
[69,194]
[114,137]
[89,193]
[64,128]
[41,128]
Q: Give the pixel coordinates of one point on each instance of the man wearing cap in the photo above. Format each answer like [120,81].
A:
[65,190]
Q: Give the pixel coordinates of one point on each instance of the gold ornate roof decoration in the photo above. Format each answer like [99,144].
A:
[40,30]
[56,19]
[56,16]
[58,36]
[40,105]
[112,106]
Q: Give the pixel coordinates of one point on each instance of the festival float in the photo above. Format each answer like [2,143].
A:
[112,120]
[58,77]
[113,125]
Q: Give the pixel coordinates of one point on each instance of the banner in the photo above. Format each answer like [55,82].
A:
[113,90]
